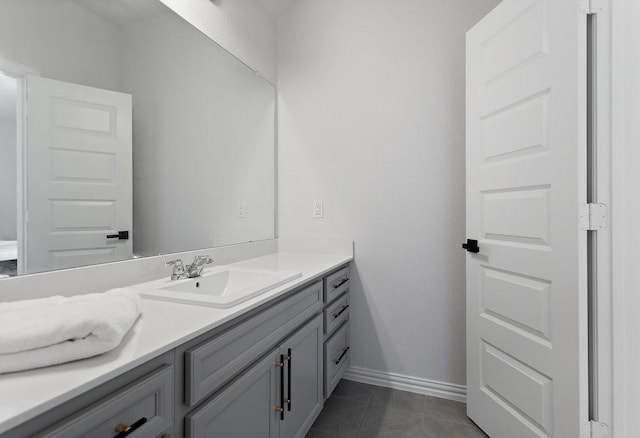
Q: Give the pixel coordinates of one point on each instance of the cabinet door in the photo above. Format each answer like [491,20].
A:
[247,408]
[303,374]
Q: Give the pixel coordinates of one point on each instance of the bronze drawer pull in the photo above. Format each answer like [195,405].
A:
[344,307]
[288,400]
[344,351]
[124,430]
[340,283]
[282,398]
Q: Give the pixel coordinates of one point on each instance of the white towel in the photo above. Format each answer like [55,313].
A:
[54,330]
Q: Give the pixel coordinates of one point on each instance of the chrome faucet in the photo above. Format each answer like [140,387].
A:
[197,266]
[193,270]
[178,269]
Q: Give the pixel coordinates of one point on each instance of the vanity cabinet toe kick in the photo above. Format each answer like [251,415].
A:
[218,380]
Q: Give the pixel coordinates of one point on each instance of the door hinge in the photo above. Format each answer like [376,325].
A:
[593,217]
[593,429]
[590,7]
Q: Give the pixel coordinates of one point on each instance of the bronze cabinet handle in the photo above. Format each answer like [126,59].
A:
[344,351]
[340,283]
[288,357]
[124,430]
[344,307]
[282,400]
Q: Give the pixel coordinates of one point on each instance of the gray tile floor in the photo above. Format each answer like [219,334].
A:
[367,411]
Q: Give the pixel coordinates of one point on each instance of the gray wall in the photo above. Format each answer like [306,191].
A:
[371,120]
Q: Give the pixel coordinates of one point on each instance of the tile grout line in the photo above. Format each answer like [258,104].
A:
[366,410]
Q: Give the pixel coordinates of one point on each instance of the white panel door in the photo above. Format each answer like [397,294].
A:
[79,175]
[526,179]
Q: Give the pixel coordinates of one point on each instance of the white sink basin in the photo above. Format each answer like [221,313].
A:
[221,286]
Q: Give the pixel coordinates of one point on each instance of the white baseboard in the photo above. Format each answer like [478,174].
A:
[450,391]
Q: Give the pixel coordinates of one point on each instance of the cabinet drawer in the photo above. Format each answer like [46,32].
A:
[246,408]
[212,364]
[150,398]
[336,356]
[335,314]
[335,284]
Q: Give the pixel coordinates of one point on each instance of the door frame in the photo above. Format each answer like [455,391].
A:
[601,360]
[19,72]
[617,357]
[625,183]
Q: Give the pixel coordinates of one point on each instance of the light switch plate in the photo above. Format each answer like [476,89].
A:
[241,210]
[318,209]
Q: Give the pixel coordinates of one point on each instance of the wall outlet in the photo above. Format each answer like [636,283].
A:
[241,210]
[318,209]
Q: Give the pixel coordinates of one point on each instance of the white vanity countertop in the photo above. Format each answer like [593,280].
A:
[162,327]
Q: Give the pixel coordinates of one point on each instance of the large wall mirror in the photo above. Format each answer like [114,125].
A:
[125,132]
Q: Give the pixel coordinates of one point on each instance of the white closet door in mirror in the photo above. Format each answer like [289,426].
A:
[78,164]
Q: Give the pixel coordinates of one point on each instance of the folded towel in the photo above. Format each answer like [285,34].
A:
[54,330]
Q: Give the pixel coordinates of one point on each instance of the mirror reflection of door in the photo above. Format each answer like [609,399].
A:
[79,175]
[76,160]
[8,176]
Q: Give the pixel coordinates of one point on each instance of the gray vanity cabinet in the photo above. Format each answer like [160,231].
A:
[244,409]
[280,396]
[216,360]
[146,405]
[145,392]
[303,399]
[336,351]
[265,374]
[336,284]
[336,328]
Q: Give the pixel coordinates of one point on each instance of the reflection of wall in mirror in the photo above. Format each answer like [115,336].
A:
[63,40]
[8,148]
[201,144]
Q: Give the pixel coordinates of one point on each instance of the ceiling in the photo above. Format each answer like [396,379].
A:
[276,7]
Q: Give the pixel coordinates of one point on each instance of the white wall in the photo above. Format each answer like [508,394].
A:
[242,27]
[203,140]
[371,120]
[33,32]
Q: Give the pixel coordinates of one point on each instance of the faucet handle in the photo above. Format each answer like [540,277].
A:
[197,266]
[204,259]
[178,268]
[176,263]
